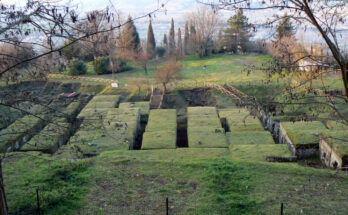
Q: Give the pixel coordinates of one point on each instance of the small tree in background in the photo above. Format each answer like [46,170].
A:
[142,59]
[237,32]
[168,72]
[101,65]
[285,28]
[77,67]
[165,42]
[186,40]
[151,42]
[160,51]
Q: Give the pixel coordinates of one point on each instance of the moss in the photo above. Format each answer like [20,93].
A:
[144,106]
[25,126]
[159,120]
[72,109]
[302,133]
[201,111]
[207,140]
[50,138]
[249,137]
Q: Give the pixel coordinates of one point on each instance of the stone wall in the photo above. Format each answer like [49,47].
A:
[328,155]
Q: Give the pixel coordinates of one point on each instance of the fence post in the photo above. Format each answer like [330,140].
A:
[282,209]
[38,201]
[167,206]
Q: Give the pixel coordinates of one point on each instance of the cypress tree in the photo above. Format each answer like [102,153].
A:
[151,43]
[285,28]
[192,39]
[171,47]
[179,49]
[130,34]
[165,42]
[186,40]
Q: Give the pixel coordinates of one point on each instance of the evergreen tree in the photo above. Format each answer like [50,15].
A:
[131,36]
[192,39]
[151,43]
[237,32]
[186,40]
[165,42]
[172,48]
[285,28]
[179,48]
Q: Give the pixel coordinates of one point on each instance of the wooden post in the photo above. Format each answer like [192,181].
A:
[38,201]
[167,206]
[282,209]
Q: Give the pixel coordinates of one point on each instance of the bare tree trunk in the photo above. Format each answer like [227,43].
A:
[145,68]
[3,202]
[164,88]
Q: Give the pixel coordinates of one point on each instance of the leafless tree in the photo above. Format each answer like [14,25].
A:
[205,20]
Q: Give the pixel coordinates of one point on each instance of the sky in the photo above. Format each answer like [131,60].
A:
[175,9]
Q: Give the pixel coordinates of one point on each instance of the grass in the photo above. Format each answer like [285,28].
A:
[258,152]
[62,184]
[249,137]
[209,181]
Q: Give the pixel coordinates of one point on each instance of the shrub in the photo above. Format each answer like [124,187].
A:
[77,67]
[160,51]
[102,65]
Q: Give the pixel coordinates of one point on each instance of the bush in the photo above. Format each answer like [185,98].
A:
[160,51]
[77,67]
[102,65]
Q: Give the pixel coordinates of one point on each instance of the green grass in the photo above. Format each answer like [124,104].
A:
[62,184]
[339,140]
[258,152]
[208,181]
[249,137]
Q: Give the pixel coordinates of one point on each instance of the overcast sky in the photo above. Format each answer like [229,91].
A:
[173,9]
